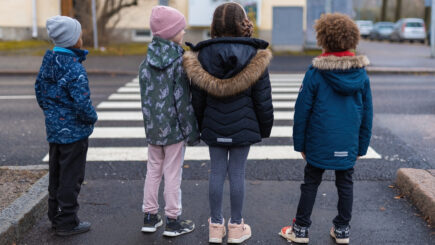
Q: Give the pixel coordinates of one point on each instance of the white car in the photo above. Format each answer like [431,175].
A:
[409,29]
[365,27]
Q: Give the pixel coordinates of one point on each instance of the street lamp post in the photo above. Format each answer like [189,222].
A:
[432,30]
[94,24]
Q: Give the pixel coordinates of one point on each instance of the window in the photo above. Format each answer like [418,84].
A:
[142,36]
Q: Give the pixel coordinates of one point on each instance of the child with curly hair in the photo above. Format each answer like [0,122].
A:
[332,123]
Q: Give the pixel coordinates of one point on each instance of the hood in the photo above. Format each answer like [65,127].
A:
[344,74]
[227,56]
[55,59]
[162,53]
[222,87]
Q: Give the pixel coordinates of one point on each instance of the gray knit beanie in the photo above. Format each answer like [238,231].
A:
[63,30]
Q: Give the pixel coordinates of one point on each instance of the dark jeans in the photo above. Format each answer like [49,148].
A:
[66,175]
[231,161]
[312,180]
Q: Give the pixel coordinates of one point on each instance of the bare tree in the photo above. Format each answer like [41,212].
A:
[106,10]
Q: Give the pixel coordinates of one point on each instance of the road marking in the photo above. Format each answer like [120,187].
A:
[199,153]
[137,105]
[137,115]
[275,89]
[280,96]
[139,132]
[17,97]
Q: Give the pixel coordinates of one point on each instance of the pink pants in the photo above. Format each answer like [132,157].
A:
[164,161]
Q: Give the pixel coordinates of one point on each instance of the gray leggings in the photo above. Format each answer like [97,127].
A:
[231,160]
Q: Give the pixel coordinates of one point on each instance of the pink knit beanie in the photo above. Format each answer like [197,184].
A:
[166,22]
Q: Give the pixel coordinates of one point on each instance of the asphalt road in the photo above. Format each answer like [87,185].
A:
[111,197]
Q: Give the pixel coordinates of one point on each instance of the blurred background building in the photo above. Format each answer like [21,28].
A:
[286,24]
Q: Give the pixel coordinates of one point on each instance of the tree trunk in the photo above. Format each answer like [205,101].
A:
[398,9]
[384,10]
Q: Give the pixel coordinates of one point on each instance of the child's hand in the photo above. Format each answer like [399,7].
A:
[358,157]
[303,155]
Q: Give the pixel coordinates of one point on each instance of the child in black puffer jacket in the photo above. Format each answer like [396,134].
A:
[233,105]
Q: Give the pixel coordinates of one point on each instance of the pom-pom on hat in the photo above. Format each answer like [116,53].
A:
[166,22]
[63,30]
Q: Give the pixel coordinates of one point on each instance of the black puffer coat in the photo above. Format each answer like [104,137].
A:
[231,91]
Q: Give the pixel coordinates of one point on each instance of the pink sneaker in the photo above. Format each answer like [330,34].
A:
[238,233]
[216,232]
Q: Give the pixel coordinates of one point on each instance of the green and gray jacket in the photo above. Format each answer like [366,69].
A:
[165,95]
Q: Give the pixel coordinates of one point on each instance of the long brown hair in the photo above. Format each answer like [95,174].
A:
[230,20]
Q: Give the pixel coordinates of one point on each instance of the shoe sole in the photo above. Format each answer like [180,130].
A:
[339,240]
[294,239]
[152,229]
[70,233]
[239,240]
[215,240]
[176,233]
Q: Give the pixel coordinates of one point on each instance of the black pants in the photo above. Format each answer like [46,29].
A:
[312,180]
[66,175]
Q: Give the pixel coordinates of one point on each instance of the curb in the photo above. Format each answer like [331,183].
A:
[400,70]
[370,70]
[90,71]
[22,214]
[419,186]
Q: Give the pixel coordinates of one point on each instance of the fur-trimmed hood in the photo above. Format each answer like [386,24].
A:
[244,79]
[344,74]
[340,63]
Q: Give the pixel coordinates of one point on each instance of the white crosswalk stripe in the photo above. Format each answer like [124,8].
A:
[139,132]
[275,96]
[124,106]
[136,105]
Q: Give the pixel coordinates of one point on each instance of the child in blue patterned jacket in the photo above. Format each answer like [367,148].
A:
[62,92]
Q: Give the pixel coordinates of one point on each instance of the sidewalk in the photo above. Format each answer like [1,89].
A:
[114,208]
[389,58]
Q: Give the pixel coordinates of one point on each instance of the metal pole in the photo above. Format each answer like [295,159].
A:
[94,24]
[432,30]
[328,6]
[34,21]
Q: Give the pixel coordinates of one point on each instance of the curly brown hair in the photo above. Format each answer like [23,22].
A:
[336,32]
[230,20]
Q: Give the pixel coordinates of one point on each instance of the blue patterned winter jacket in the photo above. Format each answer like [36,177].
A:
[62,92]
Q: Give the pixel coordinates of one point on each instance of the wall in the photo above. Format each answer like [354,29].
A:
[16,17]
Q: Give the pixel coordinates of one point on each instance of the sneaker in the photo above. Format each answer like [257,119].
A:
[238,233]
[151,222]
[81,228]
[176,227]
[216,232]
[295,233]
[340,234]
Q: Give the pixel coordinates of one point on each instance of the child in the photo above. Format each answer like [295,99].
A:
[333,121]
[233,105]
[169,120]
[62,92]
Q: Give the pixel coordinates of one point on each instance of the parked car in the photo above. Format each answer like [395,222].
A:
[409,29]
[365,27]
[381,31]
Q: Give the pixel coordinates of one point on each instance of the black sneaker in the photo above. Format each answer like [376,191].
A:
[176,227]
[151,222]
[340,234]
[295,233]
[81,228]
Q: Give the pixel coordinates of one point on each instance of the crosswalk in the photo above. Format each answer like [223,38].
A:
[120,119]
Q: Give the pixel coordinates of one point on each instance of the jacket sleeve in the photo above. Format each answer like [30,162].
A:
[199,98]
[365,131]
[81,95]
[303,108]
[262,98]
[38,92]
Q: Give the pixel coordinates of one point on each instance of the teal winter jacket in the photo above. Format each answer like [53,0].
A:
[334,112]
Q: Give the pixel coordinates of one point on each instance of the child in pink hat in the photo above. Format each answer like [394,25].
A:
[169,120]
